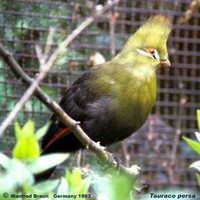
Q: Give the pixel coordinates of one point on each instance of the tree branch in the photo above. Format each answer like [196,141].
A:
[44,69]
[104,156]
[29,92]
[194,6]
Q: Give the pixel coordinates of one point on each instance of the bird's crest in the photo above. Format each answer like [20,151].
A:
[153,34]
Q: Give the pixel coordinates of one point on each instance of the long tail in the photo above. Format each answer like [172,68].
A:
[63,141]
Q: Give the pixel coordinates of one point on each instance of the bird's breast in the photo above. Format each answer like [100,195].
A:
[134,100]
[132,93]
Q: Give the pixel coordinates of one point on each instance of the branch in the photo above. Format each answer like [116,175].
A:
[104,156]
[33,86]
[29,92]
[173,162]
[45,63]
[194,5]
[78,30]
[125,153]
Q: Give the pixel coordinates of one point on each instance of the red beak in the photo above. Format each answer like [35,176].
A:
[165,63]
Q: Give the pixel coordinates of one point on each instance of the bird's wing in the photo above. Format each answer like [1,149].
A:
[74,103]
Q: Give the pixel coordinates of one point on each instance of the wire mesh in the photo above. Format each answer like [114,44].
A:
[157,147]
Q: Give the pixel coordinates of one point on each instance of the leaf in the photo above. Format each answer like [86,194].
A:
[42,131]
[77,184]
[74,178]
[196,165]
[63,49]
[27,148]
[45,187]
[4,161]
[195,145]
[198,177]
[22,24]
[198,118]
[46,162]
[86,183]
[197,136]
[15,173]
[63,187]
[18,130]
[29,127]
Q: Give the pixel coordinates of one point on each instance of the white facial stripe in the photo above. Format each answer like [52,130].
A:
[156,55]
[144,53]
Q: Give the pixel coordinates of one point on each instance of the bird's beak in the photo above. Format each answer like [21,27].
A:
[165,63]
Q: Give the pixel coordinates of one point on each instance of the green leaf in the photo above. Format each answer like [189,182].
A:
[22,24]
[15,174]
[86,184]
[29,127]
[198,177]
[4,161]
[63,187]
[46,162]
[197,134]
[18,130]
[63,49]
[74,178]
[196,165]
[77,184]
[114,185]
[42,131]
[45,187]
[27,148]
[198,118]
[195,145]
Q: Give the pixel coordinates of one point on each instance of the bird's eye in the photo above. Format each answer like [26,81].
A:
[153,53]
[150,52]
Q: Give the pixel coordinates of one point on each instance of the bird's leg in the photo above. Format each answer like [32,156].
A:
[113,161]
[117,160]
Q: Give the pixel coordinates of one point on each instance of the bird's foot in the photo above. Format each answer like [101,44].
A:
[116,161]
[113,161]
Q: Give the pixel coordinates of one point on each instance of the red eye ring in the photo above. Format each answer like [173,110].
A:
[151,51]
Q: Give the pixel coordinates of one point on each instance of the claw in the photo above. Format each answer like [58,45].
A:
[113,161]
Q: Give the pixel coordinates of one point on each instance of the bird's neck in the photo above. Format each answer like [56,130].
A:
[137,92]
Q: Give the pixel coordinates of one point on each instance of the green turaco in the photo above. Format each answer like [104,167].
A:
[112,100]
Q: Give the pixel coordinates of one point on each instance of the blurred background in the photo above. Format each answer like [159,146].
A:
[157,148]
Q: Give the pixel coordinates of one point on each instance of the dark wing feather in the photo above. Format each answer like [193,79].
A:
[74,103]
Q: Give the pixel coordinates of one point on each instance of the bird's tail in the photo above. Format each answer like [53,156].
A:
[63,141]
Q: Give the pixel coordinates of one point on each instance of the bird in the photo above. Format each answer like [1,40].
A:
[112,100]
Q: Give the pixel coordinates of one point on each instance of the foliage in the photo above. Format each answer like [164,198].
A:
[30,27]
[196,147]
[17,173]
[115,186]
[27,29]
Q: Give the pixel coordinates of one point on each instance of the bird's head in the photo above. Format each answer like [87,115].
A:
[149,42]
